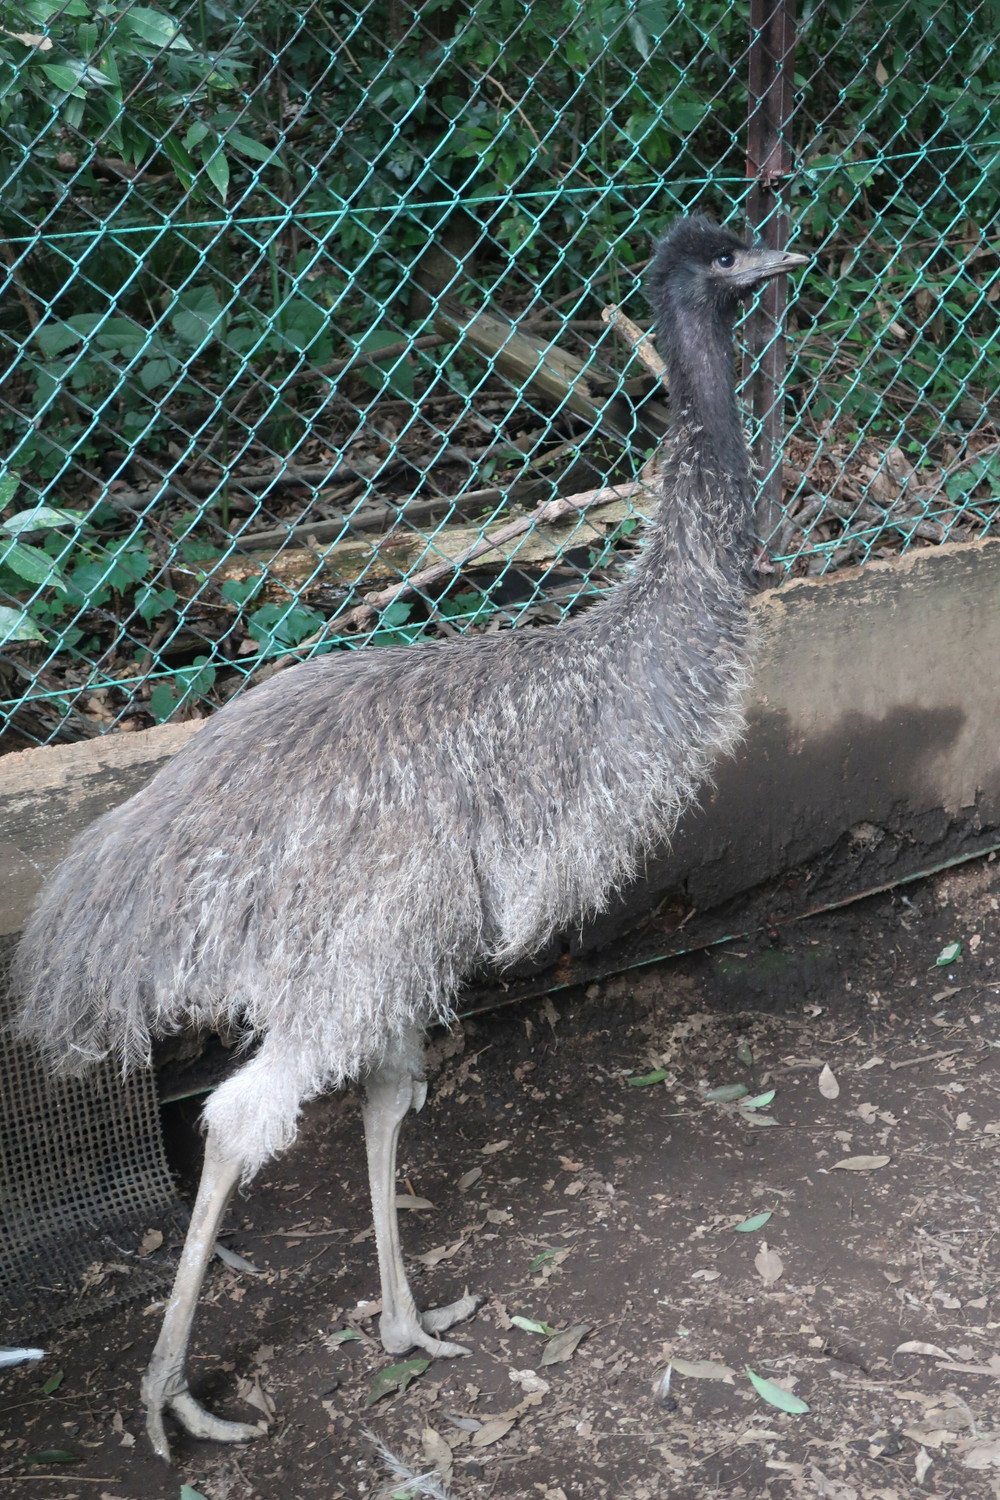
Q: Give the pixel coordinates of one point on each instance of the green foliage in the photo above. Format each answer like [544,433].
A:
[185,685]
[283,625]
[632,95]
[557,138]
[69,571]
[123,77]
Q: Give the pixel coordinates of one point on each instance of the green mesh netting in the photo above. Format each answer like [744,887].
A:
[305,304]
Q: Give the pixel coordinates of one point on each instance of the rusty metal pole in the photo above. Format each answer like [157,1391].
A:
[769,161]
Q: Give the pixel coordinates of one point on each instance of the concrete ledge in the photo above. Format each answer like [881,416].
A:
[873,754]
[50,795]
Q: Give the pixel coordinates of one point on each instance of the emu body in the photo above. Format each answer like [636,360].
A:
[327,859]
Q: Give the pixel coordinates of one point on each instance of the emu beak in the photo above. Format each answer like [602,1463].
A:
[773,262]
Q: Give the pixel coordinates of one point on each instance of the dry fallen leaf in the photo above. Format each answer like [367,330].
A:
[928,1437]
[464,1424]
[410,1200]
[236,1262]
[829,1489]
[437,1453]
[491,1431]
[704,1369]
[495,1147]
[861,1163]
[252,1393]
[959,1367]
[30,39]
[917,1346]
[828,1085]
[769,1264]
[151,1240]
[445,1252]
[922,1464]
[468,1178]
[529,1381]
[983,1456]
[562,1346]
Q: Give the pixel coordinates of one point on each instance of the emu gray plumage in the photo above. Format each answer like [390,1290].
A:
[328,858]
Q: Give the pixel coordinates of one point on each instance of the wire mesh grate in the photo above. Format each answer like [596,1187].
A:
[82,1178]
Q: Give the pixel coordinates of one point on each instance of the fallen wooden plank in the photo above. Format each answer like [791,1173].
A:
[389,559]
[526,361]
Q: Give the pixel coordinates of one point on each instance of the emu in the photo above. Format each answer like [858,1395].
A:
[329,857]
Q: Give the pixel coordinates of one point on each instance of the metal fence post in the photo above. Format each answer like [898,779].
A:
[769,160]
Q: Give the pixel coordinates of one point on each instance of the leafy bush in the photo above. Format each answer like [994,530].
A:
[541,146]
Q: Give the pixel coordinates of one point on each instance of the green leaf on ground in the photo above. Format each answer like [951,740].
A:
[342,1336]
[531,1326]
[776,1395]
[727,1093]
[395,1378]
[948,955]
[657,1076]
[542,1257]
[749,1225]
[758,1101]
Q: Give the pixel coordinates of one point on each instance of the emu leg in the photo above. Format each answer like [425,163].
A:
[390,1092]
[164,1386]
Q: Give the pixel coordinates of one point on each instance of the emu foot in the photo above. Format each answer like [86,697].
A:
[414,1330]
[163,1393]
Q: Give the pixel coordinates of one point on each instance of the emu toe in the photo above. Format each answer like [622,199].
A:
[437,1319]
[191,1416]
[418,1331]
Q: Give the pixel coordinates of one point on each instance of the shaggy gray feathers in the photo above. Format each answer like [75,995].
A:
[327,859]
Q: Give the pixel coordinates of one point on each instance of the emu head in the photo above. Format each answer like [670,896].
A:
[700,266]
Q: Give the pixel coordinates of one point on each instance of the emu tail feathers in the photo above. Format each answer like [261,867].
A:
[77,976]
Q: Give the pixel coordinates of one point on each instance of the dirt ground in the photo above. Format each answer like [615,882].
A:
[567,1195]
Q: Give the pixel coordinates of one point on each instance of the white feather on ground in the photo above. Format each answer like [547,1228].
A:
[407,1483]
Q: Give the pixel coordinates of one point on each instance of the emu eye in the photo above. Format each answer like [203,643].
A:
[726,261]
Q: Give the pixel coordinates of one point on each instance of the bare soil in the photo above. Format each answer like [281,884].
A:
[604,1203]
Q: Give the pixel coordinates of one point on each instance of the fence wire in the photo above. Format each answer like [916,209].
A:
[311,312]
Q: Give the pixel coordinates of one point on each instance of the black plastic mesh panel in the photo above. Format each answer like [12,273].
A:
[82,1177]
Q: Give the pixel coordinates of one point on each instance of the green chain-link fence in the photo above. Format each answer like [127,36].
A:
[309,309]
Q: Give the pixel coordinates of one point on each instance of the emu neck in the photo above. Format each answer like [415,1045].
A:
[702,386]
[703,525]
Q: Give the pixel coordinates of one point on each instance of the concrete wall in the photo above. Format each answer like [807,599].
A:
[873,754]
[48,796]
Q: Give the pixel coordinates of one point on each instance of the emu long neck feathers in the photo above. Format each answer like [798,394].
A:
[697,552]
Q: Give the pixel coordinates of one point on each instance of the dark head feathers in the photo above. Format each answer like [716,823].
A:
[701,273]
[695,241]
[682,266]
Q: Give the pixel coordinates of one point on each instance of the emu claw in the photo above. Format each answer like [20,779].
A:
[437,1319]
[193,1417]
[418,1332]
